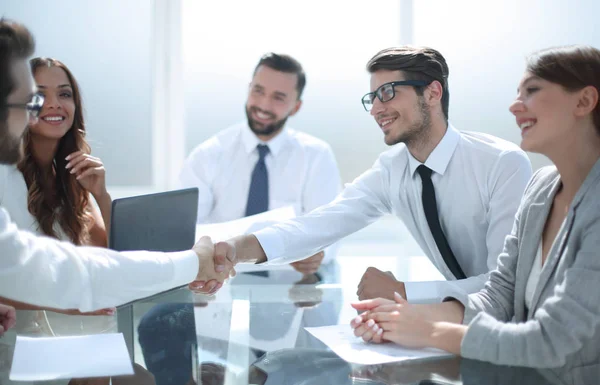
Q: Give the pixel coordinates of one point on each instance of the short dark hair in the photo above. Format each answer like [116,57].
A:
[284,63]
[417,63]
[573,67]
[16,42]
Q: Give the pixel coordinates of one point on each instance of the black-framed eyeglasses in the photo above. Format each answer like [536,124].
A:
[33,107]
[387,92]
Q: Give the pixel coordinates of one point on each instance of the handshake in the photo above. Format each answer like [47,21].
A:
[216,264]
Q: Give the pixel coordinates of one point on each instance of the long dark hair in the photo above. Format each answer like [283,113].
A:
[573,67]
[68,203]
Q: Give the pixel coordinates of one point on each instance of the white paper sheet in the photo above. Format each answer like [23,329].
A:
[98,355]
[225,230]
[342,341]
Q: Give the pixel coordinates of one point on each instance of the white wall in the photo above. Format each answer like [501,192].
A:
[107,46]
[333,39]
[485,44]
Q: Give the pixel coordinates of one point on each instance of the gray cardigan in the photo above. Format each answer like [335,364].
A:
[562,328]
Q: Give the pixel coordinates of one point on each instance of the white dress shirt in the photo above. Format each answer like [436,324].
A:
[478,180]
[45,272]
[302,171]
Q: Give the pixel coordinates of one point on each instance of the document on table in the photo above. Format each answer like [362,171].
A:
[53,358]
[342,341]
[225,230]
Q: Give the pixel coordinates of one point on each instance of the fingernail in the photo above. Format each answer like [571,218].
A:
[375,327]
[68,165]
[68,157]
[220,268]
[358,320]
[379,332]
[197,285]
[370,323]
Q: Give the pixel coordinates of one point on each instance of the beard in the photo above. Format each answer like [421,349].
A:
[418,132]
[11,146]
[261,129]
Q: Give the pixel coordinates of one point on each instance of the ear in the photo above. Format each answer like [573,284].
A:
[434,92]
[588,100]
[296,108]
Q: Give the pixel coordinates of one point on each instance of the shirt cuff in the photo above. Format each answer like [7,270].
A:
[185,267]
[422,292]
[271,243]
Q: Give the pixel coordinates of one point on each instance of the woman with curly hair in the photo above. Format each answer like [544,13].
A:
[49,191]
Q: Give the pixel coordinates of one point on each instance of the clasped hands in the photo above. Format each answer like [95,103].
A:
[216,264]
[396,321]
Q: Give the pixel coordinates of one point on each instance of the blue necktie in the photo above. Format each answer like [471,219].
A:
[258,195]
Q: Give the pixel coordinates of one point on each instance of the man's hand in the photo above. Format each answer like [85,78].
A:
[309,265]
[107,312]
[213,271]
[8,318]
[224,256]
[377,284]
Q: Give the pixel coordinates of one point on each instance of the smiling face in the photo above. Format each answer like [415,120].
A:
[546,114]
[272,99]
[56,117]
[404,119]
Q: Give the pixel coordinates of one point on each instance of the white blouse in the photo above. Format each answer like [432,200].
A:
[534,277]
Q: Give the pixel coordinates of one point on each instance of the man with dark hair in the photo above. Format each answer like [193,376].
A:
[261,164]
[84,278]
[457,192]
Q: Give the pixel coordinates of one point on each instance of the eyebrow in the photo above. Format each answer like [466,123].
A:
[282,94]
[59,86]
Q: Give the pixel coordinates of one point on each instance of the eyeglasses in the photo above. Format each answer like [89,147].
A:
[33,107]
[386,92]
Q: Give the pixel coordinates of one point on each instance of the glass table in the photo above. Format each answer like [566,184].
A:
[252,332]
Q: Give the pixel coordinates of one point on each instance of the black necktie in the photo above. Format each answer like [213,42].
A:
[258,195]
[431,213]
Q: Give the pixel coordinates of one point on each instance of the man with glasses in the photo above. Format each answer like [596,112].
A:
[45,272]
[457,192]
[261,164]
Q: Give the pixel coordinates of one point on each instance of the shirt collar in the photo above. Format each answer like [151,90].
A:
[250,140]
[440,156]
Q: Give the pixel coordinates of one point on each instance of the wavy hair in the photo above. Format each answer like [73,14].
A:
[67,203]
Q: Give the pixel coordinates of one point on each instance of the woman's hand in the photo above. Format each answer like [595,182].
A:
[396,321]
[89,172]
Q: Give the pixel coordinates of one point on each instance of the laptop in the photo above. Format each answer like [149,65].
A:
[164,221]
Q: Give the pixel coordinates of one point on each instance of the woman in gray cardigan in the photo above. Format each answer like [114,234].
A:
[541,306]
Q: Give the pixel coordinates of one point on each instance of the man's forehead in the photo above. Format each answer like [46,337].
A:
[24,82]
[384,76]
